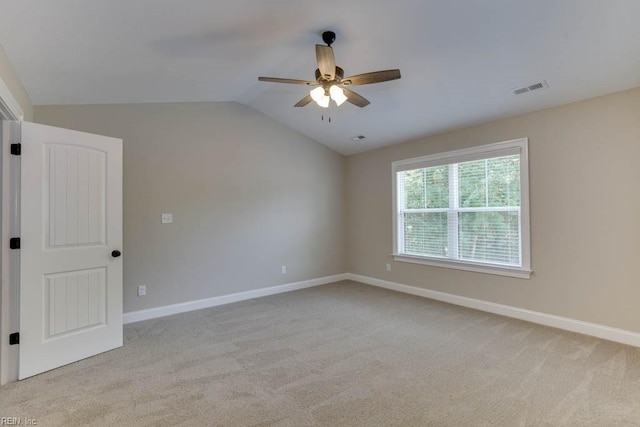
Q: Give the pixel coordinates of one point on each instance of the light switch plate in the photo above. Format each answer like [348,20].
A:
[167,218]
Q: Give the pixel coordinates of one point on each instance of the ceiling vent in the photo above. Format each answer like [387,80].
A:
[529,88]
[358,138]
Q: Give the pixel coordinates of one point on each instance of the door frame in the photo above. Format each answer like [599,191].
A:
[9,185]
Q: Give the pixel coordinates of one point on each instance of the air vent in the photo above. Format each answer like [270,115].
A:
[358,138]
[529,88]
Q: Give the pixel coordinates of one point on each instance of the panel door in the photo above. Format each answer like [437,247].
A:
[71,238]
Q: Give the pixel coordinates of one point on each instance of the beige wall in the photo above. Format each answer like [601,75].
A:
[585,212]
[10,78]
[247,194]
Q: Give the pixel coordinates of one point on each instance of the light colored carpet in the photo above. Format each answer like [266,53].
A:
[341,354]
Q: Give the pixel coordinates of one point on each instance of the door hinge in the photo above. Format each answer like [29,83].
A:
[14,338]
[14,243]
[16,149]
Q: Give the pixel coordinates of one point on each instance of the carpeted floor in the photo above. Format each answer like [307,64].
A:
[343,354]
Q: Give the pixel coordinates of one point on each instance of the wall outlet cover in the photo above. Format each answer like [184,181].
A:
[167,218]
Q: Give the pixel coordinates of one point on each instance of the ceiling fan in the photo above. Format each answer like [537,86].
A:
[330,80]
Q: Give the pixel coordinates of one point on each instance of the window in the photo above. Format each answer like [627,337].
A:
[465,209]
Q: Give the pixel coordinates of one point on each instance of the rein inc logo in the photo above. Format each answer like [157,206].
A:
[18,421]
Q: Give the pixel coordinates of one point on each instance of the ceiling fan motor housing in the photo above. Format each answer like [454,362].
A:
[339,74]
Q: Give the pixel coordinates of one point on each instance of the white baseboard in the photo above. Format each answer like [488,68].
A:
[167,310]
[586,328]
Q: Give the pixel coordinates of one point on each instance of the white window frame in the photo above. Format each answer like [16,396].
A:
[516,146]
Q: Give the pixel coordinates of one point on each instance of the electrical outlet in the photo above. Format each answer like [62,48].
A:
[388,266]
[142,290]
[284,269]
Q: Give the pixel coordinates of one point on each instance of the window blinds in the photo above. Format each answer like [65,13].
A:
[466,210]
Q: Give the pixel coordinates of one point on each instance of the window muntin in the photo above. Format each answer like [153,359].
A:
[465,207]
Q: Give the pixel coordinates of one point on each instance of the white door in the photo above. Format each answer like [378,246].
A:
[71,235]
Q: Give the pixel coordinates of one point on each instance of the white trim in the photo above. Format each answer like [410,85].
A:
[10,260]
[9,107]
[167,310]
[466,266]
[586,328]
[9,110]
[479,152]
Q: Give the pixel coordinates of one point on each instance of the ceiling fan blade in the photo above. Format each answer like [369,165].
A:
[355,99]
[326,61]
[304,101]
[290,81]
[374,77]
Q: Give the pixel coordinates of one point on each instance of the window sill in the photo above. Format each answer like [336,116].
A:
[467,266]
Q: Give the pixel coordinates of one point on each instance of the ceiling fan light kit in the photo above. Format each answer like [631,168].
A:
[319,95]
[330,79]
[337,94]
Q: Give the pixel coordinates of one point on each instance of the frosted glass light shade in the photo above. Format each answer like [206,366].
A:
[319,96]
[337,94]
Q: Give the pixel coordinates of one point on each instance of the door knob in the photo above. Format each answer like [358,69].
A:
[116,254]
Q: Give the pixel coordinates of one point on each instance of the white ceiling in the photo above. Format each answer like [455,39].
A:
[459,59]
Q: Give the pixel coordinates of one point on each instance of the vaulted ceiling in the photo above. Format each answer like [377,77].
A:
[460,60]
